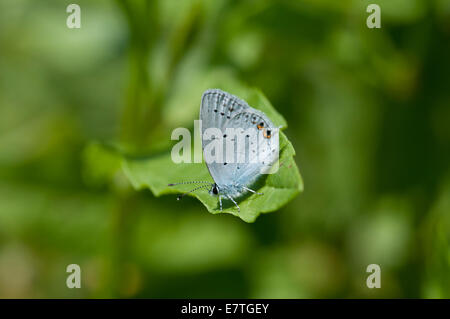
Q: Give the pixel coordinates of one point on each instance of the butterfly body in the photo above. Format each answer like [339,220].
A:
[234,190]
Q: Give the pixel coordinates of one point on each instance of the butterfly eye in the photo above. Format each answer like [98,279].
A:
[215,190]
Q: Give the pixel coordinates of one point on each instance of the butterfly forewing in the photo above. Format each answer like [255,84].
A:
[236,121]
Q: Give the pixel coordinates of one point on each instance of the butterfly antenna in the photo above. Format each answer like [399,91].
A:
[190,182]
[184,194]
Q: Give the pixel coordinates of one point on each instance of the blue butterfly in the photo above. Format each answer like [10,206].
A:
[257,153]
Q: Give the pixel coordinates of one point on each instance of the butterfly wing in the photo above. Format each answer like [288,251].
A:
[260,151]
[224,111]
[216,110]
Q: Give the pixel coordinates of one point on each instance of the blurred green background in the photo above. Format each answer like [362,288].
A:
[368,113]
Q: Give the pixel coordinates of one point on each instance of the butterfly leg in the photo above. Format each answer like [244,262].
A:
[251,190]
[220,201]
[231,198]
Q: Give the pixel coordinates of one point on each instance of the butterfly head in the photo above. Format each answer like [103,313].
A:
[214,190]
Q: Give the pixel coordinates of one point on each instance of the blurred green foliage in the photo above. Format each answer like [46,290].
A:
[368,113]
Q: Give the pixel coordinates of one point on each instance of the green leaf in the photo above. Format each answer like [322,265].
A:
[157,172]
